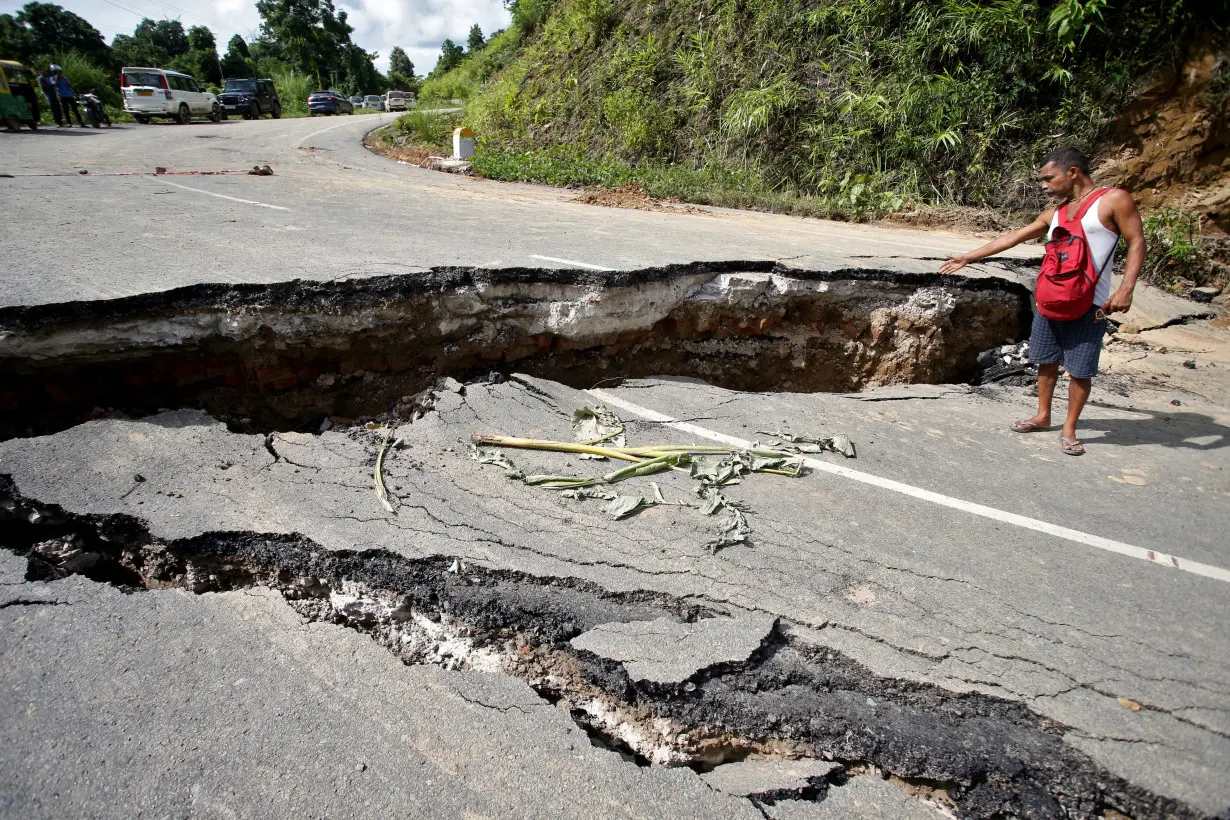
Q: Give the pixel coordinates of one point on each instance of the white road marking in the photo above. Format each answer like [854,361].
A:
[330,128]
[569,262]
[162,181]
[1022,521]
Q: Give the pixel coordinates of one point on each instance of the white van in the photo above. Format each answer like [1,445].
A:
[399,101]
[161,92]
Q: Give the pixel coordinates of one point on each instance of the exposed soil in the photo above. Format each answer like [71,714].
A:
[977,221]
[412,154]
[630,195]
[284,356]
[1171,146]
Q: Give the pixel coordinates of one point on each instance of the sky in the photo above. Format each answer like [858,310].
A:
[418,26]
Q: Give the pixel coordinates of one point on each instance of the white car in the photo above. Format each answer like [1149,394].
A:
[399,101]
[372,101]
[161,92]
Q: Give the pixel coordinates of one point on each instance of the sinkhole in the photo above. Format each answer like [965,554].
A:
[286,355]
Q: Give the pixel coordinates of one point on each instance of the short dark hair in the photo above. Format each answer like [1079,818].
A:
[1065,158]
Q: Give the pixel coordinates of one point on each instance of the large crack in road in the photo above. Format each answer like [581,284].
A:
[731,685]
[982,756]
[279,357]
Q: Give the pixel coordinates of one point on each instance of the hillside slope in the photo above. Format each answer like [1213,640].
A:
[863,106]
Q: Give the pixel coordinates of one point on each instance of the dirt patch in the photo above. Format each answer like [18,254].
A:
[1170,147]
[958,218]
[412,154]
[630,195]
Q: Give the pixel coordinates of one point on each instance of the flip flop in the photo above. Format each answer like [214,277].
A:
[1019,426]
[1071,446]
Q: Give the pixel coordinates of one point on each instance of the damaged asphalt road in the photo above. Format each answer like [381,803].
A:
[903,641]
[207,610]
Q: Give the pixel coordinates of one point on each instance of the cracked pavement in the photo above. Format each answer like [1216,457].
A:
[921,593]
[232,702]
[225,704]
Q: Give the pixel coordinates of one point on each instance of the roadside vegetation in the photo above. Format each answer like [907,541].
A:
[850,109]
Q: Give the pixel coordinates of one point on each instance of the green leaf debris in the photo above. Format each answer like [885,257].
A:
[601,434]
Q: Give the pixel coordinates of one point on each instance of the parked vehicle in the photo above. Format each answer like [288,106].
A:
[18,96]
[167,94]
[384,102]
[374,102]
[357,100]
[94,110]
[328,102]
[399,101]
[250,99]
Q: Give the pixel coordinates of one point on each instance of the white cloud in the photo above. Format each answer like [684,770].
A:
[418,26]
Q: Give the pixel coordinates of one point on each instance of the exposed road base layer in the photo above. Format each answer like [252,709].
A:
[283,356]
[982,755]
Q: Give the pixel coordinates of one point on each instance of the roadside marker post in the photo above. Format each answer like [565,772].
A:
[463,143]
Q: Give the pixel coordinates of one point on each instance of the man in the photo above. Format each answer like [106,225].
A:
[48,86]
[1076,343]
[68,97]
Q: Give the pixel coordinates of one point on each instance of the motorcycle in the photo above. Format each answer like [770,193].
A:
[95,111]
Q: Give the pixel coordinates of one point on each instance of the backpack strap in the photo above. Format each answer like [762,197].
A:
[1086,205]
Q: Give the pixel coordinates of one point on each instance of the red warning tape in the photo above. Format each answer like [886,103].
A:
[142,173]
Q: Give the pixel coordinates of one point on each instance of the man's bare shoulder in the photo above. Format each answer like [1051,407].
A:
[1119,198]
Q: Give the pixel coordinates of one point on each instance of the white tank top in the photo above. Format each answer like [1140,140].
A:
[1102,242]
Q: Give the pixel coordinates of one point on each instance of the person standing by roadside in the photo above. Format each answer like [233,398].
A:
[48,86]
[1089,221]
[68,97]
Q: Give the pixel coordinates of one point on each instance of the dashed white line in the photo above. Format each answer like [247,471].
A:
[162,181]
[1025,522]
[572,262]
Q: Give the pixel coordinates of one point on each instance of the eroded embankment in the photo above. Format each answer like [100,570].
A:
[281,356]
[983,756]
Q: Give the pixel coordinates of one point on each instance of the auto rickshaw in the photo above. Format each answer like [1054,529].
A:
[18,96]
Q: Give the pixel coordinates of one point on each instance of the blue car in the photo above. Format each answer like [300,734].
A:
[328,102]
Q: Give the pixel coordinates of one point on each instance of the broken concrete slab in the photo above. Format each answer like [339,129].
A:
[771,779]
[668,652]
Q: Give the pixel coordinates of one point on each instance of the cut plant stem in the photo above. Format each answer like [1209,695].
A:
[482,439]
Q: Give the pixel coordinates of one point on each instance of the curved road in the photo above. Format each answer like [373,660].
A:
[333,209]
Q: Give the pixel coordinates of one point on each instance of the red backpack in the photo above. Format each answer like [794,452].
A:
[1067,281]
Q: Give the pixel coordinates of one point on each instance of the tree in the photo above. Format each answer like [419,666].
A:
[201,59]
[475,41]
[152,43]
[451,56]
[200,38]
[49,29]
[237,61]
[315,38]
[399,62]
[15,39]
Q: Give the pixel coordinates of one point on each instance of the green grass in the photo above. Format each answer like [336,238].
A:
[712,185]
[1176,249]
[857,106]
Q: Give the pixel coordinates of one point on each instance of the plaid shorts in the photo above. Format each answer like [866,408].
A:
[1076,343]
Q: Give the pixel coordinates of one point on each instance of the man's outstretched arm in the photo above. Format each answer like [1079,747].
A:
[1031,231]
